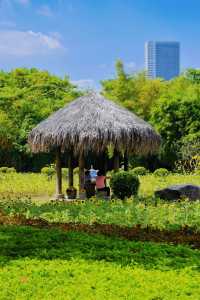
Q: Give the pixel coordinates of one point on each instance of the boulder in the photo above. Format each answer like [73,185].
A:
[176,192]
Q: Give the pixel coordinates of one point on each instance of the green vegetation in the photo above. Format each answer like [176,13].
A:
[27,96]
[51,264]
[29,194]
[139,171]
[161,172]
[144,212]
[40,187]
[124,184]
[172,107]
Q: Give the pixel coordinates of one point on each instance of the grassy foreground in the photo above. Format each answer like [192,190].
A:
[67,265]
[51,264]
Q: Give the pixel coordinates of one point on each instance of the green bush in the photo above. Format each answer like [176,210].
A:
[48,171]
[124,184]
[139,171]
[161,172]
[3,169]
[11,170]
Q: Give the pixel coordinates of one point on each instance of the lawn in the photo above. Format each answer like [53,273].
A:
[53,262]
[38,186]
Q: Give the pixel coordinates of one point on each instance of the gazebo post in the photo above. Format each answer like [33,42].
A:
[81,174]
[116,160]
[105,161]
[59,194]
[125,160]
[70,169]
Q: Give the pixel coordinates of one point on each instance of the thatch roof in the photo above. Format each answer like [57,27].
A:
[92,123]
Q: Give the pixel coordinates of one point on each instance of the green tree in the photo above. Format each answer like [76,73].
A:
[133,91]
[27,96]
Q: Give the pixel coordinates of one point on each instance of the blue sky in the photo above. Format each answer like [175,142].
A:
[83,38]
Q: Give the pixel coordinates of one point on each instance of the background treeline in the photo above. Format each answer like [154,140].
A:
[28,96]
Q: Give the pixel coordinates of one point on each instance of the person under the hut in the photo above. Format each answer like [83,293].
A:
[93,174]
[89,185]
[101,183]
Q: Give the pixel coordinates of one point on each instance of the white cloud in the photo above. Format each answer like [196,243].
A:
[45,10]
[85,84]
[26,43]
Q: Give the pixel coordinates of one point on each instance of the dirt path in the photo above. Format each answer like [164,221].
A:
[185,235]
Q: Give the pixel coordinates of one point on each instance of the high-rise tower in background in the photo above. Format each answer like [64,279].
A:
[162,59]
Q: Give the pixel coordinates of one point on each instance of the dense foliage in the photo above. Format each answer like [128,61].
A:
[161,172]
[27,96]
[139,171]
[173,108]
[124,184]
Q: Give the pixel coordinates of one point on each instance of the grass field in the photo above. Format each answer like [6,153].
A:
[38,185]
[50,263]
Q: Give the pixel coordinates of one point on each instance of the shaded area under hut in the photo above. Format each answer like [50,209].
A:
[92,124]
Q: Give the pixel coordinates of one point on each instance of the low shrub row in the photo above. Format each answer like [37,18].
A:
[7,170]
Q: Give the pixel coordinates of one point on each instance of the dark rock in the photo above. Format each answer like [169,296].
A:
[176,192]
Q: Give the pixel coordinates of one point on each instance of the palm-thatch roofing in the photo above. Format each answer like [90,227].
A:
[92,123]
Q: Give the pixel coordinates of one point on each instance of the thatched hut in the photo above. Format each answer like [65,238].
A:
[92,123]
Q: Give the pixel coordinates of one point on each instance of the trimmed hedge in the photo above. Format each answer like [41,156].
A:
[124,184]
[140,171]
[7,170]
[161,172]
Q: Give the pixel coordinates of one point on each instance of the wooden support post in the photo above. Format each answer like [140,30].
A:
[105,161]
[125,160]
[70,169]
[59,194]
[81,174]
[116,160]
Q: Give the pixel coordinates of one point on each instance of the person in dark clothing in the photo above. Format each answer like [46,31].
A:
[89,185]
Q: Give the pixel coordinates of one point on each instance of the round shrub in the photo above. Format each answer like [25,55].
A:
[124,184]
[161,172]
[3,169]
[11,170]
[139,171]
[48,171]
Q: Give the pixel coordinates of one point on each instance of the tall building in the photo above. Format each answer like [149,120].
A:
[162,59]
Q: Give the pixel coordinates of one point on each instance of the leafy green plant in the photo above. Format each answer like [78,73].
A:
[140,171]
[11,170]
[161,172]
[124,184]
[3,169]
[49,171]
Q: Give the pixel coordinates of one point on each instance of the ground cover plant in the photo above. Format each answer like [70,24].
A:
[60,253]
[52,264]
[29,195]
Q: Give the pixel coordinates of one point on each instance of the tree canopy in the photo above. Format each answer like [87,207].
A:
[27,96]
[173,107]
